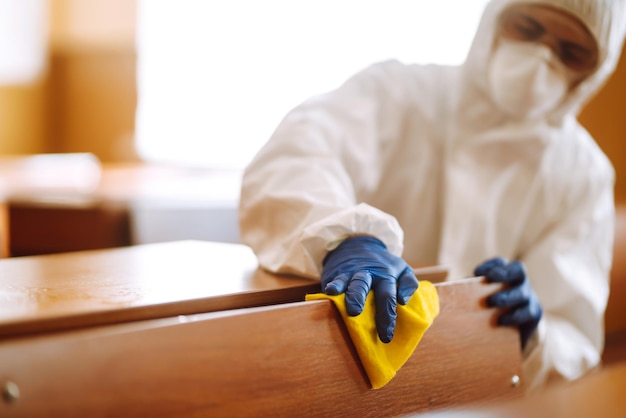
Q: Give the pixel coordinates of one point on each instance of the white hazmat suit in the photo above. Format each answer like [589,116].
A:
[422,158]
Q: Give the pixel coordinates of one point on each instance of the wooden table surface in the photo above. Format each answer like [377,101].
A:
[85,288]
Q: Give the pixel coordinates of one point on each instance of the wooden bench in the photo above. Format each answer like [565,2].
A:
[292,359]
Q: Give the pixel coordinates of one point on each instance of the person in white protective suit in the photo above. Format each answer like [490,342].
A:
[423,165]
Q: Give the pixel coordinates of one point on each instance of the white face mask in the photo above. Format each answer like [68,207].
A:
[526,79]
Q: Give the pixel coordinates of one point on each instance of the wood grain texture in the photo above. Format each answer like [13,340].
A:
[288,360]
[87,288]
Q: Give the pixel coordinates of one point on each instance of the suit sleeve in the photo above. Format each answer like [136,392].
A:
[300,195]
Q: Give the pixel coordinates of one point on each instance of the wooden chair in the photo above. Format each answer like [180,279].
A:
[4,230]
[293,359]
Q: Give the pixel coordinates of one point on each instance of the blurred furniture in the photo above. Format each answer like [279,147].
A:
[69,202]
[50,227]
[599,394]
[195,329]
[615,319]
[4,230]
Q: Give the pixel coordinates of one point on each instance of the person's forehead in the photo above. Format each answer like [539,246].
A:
[558,22]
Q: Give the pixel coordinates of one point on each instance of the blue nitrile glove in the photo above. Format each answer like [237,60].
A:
[523,307]
[362,263]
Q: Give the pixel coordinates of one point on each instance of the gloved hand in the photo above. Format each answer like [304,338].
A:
[523,307]
[362,263]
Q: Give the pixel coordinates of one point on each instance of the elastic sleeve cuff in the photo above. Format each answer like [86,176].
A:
[326,234]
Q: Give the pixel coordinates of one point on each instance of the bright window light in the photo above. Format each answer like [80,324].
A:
[23,31]
[216,77]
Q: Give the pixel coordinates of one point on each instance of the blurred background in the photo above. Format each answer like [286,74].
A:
[78,90]
[181,81]
[159,104]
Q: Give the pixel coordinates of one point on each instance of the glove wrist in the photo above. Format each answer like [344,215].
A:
[357,242]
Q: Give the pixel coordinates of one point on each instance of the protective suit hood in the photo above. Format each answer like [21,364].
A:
[605,19]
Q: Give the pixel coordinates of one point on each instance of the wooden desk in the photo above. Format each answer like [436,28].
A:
[600,394]
[195,329]
[292,359]
[87,288]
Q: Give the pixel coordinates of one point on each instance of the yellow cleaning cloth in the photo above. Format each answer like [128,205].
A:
[381,361]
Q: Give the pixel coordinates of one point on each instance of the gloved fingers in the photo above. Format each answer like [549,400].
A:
[526,332]
[497,274]
[516,272]
[337,285]
[523,315]
[511,297]
[407,285]
[502,272]
[386,314]
[486,266]
[356,293]
[513,273]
